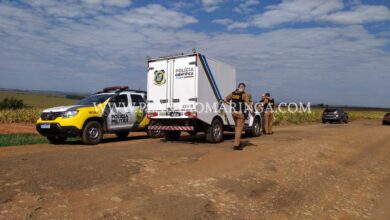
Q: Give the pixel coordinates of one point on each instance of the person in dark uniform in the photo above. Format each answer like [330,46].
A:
[268,108]
[240,101]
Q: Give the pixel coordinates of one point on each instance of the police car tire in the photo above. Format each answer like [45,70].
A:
[210,135]
[257,133]
[86,137]
[172,135]
[56,139]
[122,135]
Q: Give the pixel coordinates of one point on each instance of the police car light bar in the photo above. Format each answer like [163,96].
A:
[115,88]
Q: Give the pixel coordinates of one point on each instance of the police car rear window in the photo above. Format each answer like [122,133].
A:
[137,100]
[94,99]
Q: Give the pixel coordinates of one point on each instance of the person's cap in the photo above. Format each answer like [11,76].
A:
[267,94]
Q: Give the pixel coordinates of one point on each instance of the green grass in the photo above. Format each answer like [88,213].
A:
[38,100]
[21,139]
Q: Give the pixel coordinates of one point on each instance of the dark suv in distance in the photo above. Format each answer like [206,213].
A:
[334,115]
[386,119]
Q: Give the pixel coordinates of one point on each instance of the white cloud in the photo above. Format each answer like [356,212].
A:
[341,64]
[223,21]
[76,8]
[211,5]
[246,6]
[156,15]
[295,11]
[118,3]
[359,15]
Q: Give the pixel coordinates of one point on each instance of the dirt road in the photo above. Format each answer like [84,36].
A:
[301,172]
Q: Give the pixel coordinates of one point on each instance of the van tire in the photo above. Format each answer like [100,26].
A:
[155,133]
[92,133]
[172,135]
[255,131]
[122,135]
[214,133]
[56,139]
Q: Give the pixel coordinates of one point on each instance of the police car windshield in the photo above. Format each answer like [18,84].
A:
[94,99]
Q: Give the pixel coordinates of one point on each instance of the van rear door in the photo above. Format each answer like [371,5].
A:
[158,89]
[184,79]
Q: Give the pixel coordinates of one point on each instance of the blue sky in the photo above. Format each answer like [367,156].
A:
[333,51]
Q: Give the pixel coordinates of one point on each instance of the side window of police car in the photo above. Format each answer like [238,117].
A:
[137,100]
[121,101]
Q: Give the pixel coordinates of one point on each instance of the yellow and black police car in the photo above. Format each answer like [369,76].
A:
[116,109]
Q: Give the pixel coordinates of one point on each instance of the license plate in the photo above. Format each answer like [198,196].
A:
[175,114]
[45,126]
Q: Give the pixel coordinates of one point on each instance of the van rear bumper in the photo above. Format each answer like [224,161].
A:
[175,124]
[171,128]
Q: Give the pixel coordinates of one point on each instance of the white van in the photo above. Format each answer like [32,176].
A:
[186,92]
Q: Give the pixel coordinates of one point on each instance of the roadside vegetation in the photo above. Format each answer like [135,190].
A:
[12,103]
[21,139]
[24,115]
[22,107]
[316,116]
[297,118]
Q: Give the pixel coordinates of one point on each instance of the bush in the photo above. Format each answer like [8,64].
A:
[12,103]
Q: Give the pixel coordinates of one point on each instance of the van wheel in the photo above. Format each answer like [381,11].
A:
[214,132]
[155,133]
[92,133]
[122,135]
[172,135]
[56,139]
[255,131]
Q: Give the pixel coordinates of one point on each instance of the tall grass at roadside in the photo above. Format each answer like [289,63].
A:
[354,115]
[316,116]
[21,139]
[24,115]
[297,118]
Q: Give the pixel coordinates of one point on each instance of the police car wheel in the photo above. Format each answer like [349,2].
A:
[56,139]
[214,132]
[256,130]
[122,135]
[172,135]
[92,133]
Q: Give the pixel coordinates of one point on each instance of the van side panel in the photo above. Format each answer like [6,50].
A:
[224,75]
[223,79]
